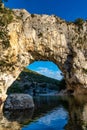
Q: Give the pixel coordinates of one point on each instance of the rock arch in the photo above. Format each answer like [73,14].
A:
[41,37]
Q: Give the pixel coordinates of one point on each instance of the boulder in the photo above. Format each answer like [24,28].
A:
[18,102]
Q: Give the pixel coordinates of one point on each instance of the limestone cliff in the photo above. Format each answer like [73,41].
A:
[26,38]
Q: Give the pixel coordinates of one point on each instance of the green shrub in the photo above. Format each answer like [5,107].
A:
[79,21]
[84,70]
[32,15]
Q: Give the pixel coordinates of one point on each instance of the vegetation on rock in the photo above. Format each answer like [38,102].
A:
[28,79]
[79,21]
[6,17]
[85,70]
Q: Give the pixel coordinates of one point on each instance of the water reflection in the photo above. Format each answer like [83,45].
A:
[14,120]
[77,113]
[21,117]
[54,120]
[50,113]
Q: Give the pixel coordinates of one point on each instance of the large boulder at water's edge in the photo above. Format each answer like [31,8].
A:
[19,101]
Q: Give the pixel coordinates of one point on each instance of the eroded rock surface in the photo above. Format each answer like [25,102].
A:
[35,37]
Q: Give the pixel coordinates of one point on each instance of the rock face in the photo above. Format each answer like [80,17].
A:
[35,37]
[18,102]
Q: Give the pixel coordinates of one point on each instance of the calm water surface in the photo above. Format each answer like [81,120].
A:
[50,113]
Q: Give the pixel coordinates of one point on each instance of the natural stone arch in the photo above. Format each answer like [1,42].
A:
[43,37]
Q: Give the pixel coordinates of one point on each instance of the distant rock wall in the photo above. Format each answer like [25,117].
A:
[41,37]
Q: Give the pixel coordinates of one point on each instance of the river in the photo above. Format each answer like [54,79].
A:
[50,113]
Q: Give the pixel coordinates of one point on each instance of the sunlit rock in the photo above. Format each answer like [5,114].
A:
[35,37]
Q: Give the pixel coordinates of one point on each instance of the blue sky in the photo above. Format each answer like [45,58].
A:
[54,120]
[46,68]
[66,9]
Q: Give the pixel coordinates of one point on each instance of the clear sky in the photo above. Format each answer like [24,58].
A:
[66,9]
[46,68]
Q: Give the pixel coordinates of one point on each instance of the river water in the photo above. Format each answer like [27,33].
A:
[50,113]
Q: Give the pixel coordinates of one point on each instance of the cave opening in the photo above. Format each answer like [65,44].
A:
[39,77]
